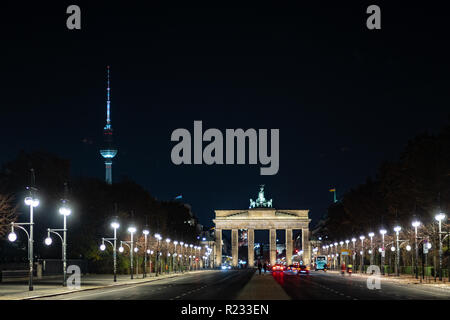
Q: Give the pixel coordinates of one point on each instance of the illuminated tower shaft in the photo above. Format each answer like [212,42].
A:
[108,150]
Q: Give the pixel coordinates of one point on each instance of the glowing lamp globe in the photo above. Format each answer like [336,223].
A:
[102,247]
[131,229]
[408,247]
[120,249]
[416,224]
[64,211]
[48,241]
[136,249]
[115,225]
[12,236]
[392,249]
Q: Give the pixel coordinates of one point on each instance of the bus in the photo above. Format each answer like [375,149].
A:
[321,263]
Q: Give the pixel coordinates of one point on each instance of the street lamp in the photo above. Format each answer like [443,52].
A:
[175,250]
[115,225]
[416,224]
[362,253]
[190,257]
[354,252]
[397,264]
[371,235]
[383,251]
[168,251]
[182,256]
[146,232]
[439,217]
[157,258]
[131,230]
[32,203]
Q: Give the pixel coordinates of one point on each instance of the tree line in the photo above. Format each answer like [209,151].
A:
[94,204]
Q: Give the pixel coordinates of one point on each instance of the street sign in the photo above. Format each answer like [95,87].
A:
[345,252]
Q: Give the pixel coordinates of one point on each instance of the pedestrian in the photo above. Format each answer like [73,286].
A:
[265,266]
[259,266]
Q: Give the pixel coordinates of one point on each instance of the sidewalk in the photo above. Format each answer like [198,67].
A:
[263,287]
[403,279]
[52,286]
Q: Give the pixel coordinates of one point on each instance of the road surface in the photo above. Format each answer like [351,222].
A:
[229,284]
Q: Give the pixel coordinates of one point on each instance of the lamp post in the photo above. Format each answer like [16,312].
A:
[354,252]
[176,255]
[439,217]
[332,255]
[397,263]
[168,251]
[157,258]
[182,257]
[371,235]
[131,230]
[361,268]
[185,255]
[146,232]
[416,224]
[190,256]
[32,203]
[383,251]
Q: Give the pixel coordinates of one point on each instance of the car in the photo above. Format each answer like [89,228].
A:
[293,268]
[226,267]
[278,267]
[302,269]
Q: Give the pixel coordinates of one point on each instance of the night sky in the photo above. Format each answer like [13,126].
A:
[345,98]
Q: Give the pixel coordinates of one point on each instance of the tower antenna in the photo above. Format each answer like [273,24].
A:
[108,102]
[108,151]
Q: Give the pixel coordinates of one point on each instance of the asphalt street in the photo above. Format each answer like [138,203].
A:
[218,285]
[228,284]
[319,285]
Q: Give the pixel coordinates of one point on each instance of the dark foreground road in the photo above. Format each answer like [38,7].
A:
[217,285]
[332,286]
[229,285]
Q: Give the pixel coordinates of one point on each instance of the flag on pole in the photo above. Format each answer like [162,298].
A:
[332,190]
[179,197]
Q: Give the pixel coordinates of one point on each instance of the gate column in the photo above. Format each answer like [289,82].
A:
[251,248]
[273,246]
[288,246]
[218,234]
[234,246]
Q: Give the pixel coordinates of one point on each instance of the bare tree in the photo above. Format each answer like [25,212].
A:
[8,213]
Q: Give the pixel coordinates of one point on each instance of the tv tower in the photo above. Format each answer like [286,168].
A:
[108,151]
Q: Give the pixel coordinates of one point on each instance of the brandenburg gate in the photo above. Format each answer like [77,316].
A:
[261,216]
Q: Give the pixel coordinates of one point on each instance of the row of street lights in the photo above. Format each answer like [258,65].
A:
[415,224]
[130,244]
